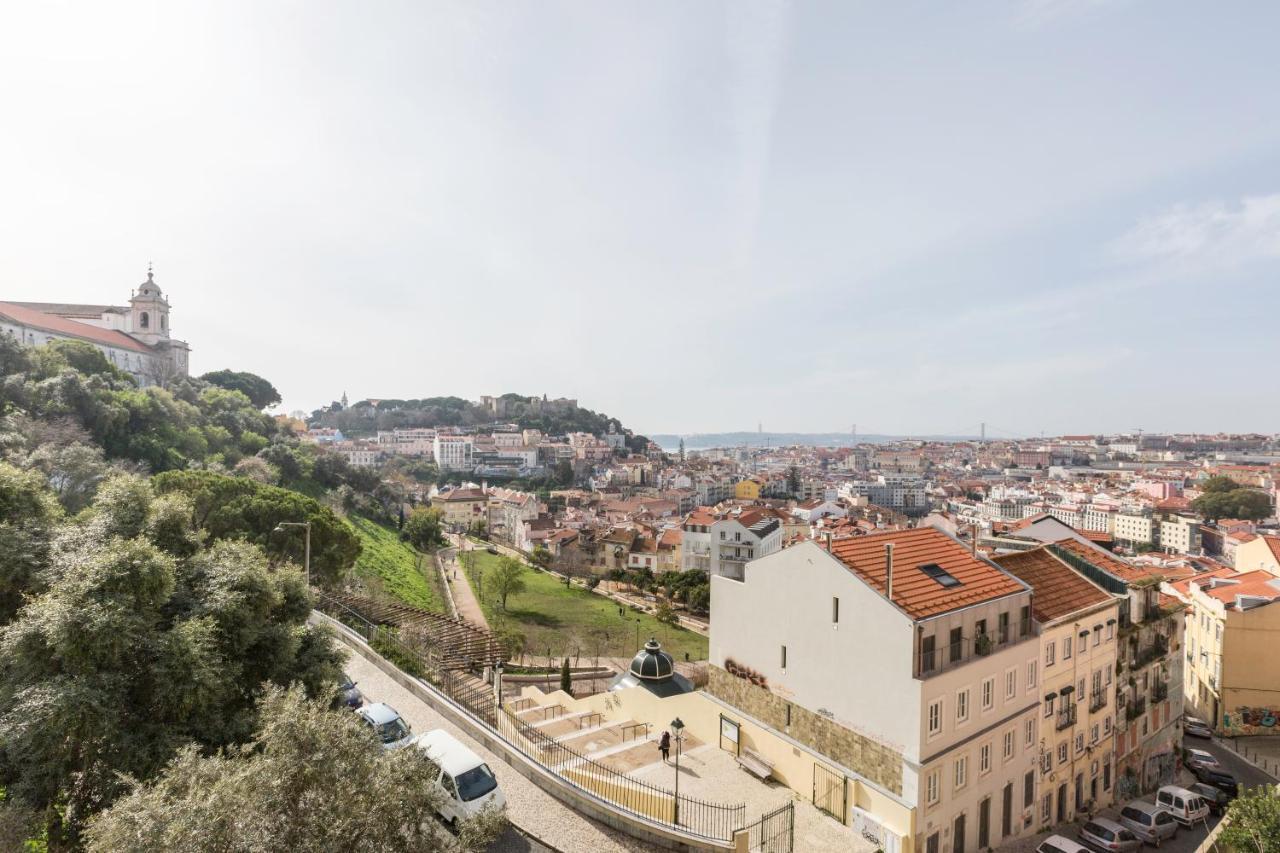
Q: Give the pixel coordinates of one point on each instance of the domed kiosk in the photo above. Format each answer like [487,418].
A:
[655,671]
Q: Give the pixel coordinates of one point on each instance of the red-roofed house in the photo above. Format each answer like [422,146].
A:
[901,664]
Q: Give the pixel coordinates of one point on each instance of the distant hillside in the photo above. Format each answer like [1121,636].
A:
[706,441]
[552,417]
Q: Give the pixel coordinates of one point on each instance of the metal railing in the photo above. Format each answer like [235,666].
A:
[1135,708]
[652,803]
[1066,719]
[1097,700]
[774,832]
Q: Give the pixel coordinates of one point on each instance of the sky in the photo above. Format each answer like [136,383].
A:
[1056,216]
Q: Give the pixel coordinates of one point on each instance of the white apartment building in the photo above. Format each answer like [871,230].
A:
[1133,527]
[1099,519]
[741,536]
[1180,534]
[453,452]
[904,669]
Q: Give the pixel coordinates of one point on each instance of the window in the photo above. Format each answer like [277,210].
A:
[784,657]
[1084,641]
[144,320]
[1029,732]
[1080,691]
[1011,683]
[961,771]
[988,694]
[1048,706]
[1080,743]
[928,646]
[1097,635]
[835,611]
[1002,626]
[980,628]
[1048,654]
[957,645]
[931,788]
[1106,725]
[1028,789]
[984,758]
[962,706]
[1066,649]
[1031,675]
[1046,808]
[1024,621]
[1062,753]
[935,717]
[1093,734]
[1111,628]
[1008,744]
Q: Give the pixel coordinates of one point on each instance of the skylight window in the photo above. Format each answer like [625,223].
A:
[939,574]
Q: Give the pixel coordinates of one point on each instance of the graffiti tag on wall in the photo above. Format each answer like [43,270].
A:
[1250,721]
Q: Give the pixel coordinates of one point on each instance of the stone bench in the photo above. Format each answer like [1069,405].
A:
[755,764]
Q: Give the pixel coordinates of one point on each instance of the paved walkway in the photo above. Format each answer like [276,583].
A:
[530,808]
[463,596]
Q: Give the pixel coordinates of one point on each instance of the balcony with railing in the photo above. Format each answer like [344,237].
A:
[1159,691]
[1097,700]
[1066,717]
[1135,708]
[1141,655]
[948,655]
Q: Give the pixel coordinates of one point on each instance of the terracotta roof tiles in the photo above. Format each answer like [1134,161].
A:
[918,594]
[1059,589]
[73,328]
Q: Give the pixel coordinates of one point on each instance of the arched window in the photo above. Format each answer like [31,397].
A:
[162,322]
[145,320]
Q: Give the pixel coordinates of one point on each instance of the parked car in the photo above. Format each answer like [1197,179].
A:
[348,695]
[1194,758]
[1107,835]
[1195,727]
[1216,798]
[392,731]
[1149,822]
[466,782]
[1061,844]
[1187,807]
[1217,777]
[491,550]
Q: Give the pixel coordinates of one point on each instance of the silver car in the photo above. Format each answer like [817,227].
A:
[392,731]
[1200,758]
[1152,825]
[1108,836]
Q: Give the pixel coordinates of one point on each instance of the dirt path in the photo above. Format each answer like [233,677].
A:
[463,596]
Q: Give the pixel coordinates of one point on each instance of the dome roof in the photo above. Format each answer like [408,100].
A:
[652,663]
[149,287]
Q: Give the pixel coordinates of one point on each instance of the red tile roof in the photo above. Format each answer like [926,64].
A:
[1059,589]
[62,326]
[1109,562]
[915,592]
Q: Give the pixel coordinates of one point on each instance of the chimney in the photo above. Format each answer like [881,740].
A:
[888,570]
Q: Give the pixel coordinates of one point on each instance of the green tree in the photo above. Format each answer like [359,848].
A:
[312,779]
[1252,822]
[1221,498]
[259,391]
[666,614]
[566,678]
[507,579]
[424,528]
[28,515]
[541,557]
[793,481]
[239,508]
[139,643]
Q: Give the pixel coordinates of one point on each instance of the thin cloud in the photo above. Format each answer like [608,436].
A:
[1040,13]
[1209,235]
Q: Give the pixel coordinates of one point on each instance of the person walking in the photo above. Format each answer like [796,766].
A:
[664,746]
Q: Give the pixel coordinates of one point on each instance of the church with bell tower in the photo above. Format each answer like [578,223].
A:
[136,338]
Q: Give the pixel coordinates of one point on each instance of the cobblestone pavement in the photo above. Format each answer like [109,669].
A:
[528,806]
[1262,751]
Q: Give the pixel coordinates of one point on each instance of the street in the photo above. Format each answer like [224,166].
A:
[1188,839]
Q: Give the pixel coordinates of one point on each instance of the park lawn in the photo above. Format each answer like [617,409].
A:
[571,621]
[392,565]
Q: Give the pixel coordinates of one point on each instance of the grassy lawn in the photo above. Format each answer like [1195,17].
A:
[553,616]
[391,565]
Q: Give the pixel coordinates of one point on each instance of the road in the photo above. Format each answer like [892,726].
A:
[463,595]
[1187,840]
[527,805]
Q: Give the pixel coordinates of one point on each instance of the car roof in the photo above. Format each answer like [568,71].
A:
[1200,752]
[1064,843]
[1106,823]
[1177,789]
[451,754]
[1142,805]
[379,713]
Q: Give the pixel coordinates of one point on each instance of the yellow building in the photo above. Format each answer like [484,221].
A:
[460,508]
[747,490]
[1232,633]
[1078,627]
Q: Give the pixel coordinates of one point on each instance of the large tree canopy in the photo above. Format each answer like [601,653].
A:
[133,641]
[240,508]
[312,779]
[1222,497]
[259,391]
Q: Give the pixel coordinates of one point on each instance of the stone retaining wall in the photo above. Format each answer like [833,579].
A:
[877,762]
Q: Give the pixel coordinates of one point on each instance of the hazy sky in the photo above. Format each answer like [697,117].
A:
[1044,214]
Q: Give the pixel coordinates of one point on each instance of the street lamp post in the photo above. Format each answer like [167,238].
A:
[677,725]
[305,525]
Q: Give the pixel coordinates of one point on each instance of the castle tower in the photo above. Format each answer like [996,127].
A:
[149,312]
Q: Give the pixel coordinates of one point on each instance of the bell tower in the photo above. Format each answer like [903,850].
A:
[149,312]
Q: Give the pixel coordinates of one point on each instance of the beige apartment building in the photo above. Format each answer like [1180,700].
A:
[904,669]
[1078,623]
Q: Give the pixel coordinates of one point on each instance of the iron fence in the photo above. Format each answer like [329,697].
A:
[694,817]
[774,832]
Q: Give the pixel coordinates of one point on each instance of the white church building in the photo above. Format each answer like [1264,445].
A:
[135,338]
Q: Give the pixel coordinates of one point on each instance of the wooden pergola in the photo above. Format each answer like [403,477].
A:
[447,643]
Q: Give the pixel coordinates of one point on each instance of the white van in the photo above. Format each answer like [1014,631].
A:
[1061,844]
[467,783]
[1187,807]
